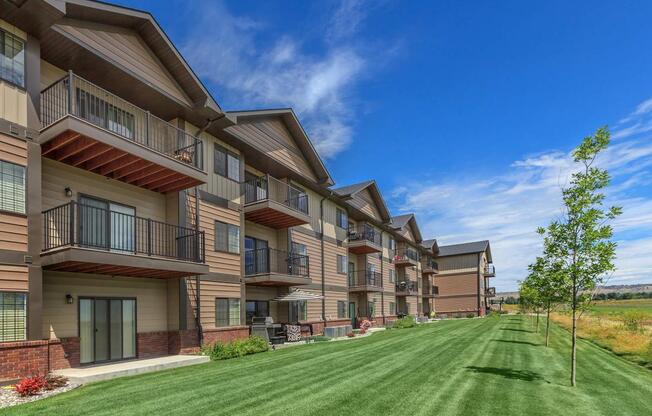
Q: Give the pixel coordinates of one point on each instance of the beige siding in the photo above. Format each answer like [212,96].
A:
[211,291]
[216,185]
[332,297]
[126,48]
[13,278]
[272,137]
[275,238]
[313,247]
[331,276]
[57,176]
[13,150]
[13,232]
[61,319]
[457,264]
[219,262]
[365,203]
[457,293]
[50,74]
[389,298]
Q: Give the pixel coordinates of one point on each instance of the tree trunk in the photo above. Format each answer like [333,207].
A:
[547,323]
[537,321]
[574,346]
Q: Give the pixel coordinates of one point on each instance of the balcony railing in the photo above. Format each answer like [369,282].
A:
[78,225]
[269,188]
[272,261]
[75,96]
[365,278]
[406,254]
[490,292]
[489,270]
[364,233]
[429,289]
[409,286]
[430,265]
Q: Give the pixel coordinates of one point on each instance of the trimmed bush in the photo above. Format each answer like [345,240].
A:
[470,315]
[404,322]
[235,349]
[320,338]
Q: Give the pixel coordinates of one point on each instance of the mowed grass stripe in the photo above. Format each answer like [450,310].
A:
[469,367]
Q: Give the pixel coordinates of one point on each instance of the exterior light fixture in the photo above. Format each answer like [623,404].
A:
[69,299]
[68,191]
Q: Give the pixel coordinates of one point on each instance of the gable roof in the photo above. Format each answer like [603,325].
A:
[349,191]
[431,245]
[294,126]
[47,20]
[466,248]
[401,221]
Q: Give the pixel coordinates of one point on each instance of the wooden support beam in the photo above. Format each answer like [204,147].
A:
[58,142]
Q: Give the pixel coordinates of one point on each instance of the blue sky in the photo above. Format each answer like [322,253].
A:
[463,112]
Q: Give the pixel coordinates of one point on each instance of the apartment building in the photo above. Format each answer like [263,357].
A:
[461,287]
[138,218]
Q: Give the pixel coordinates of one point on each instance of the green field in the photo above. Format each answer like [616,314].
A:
[458,367]
[614,307]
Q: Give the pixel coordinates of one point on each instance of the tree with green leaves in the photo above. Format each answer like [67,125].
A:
[530,300]
[544,280]
[580,240]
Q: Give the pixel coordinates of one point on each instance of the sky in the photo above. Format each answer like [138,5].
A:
[465,113]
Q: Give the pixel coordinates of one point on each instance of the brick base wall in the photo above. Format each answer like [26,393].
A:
[64,353]
[183,342]
[228,334]
[25,358]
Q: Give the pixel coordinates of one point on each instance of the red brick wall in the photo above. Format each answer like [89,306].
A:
[212,336]
[24,358]
[183,342]
[64,353]
[152,344]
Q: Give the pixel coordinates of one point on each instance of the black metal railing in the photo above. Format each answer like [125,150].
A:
[430,264]
[73,95]
[406,254]
[79,225]
[364,232]
[489,269]
[365,278]
[270,260]
[490,292]
[269,188]
[429,289]
[407,286]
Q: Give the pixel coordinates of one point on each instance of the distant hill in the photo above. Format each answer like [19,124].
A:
[645,287]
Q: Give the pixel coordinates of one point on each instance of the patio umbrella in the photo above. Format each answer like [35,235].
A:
[297,294]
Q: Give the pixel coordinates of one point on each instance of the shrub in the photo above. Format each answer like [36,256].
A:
[235,349]
[405,322]
[350,335]
[365,324]
[432,314]
[31,386]
[54,382]
[470,315]
[633,320]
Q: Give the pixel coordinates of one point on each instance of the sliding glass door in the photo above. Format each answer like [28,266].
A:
[107,329]
[106,225]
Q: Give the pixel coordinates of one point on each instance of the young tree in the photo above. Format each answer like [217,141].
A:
[530,299]
[580,241]
[543,278]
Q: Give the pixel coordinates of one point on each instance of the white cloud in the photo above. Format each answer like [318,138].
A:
[507,208]
[226,50]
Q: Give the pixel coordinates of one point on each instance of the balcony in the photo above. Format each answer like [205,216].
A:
[429,291]
[407,288]
[365,281]
[87,239]
[271,267]
[490,292]
[364,239]
[273,203]
[89,128]
[489,270]
[429,266]
[406,258]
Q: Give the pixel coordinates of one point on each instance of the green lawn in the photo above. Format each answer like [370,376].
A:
[463,367]
[616,307]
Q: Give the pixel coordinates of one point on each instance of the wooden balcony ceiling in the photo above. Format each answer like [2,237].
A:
[81,151]
[363,247]
[274,216]
[115,270]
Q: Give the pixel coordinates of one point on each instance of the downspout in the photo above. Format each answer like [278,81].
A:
[323,270]
[382,278]
[478,274]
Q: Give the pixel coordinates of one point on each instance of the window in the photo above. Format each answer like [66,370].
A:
[12,59]
[227,237]
[226,163]
[435,290]
[13,319]
[392,276]
[371,305]
[298,311]
[227,312]
[12,187]
[341,263]
[392,244]
[342,219]
[341,309]
[392,308]
[257,309]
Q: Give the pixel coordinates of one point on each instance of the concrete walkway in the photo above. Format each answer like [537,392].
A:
[100,372]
